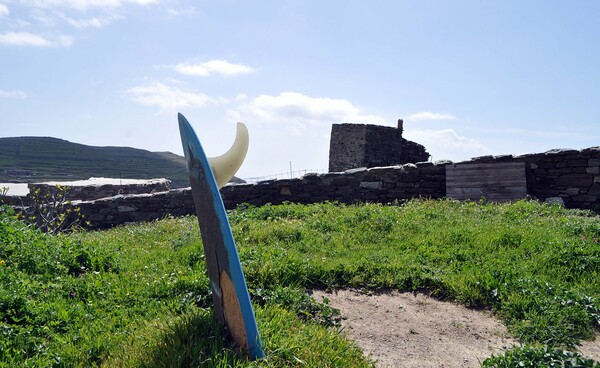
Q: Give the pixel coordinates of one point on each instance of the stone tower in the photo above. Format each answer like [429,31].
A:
[363,145]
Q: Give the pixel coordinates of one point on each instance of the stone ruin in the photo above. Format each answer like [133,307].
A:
[363,145]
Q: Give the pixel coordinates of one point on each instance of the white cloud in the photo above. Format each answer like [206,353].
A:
[64,41]
[4,10]
[12,94]
[178,12]
[221,67]
[427,115]
[446,144]
[87,4]
[300,110]
[95,22]
[30,39]
[168,97]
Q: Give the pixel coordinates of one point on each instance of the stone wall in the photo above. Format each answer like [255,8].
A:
[122,209]
[569,176]
[95,188]
[564,175]
[378,184]
[361,145]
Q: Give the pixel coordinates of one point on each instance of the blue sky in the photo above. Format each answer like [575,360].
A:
[469,78]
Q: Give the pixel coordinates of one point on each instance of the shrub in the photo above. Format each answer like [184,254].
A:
[51,211]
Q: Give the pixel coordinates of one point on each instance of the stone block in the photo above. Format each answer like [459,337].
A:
[572,191]
[575,180]
[594,190]
[559,172]
[546,165]
[561,152]
[545,192]
[503,158]
[594,162]
[431,184]
[424,164]
[578,163]
[594,170]
[370,184]
[529,157]
[584,198]
[545,180]
[433,170]
[482,159]
[593,151]
[555,200]
[126,209]
[356,171]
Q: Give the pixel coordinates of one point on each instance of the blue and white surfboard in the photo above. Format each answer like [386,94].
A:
[228,286]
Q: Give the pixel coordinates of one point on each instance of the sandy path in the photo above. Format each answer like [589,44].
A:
[413,330]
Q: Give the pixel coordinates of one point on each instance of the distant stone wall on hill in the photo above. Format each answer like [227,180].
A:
[568,176]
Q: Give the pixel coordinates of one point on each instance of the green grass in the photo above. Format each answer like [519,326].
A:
[137,295]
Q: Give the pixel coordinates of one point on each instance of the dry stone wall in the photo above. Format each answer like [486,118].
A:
[95,188]
[122,209]
[377,184]
[564,175]
[568,176]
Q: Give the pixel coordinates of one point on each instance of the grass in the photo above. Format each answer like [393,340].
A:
[137,295]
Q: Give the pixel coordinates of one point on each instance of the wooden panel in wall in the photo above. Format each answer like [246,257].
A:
[498,182]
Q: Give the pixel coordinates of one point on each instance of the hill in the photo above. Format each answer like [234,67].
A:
[34,159]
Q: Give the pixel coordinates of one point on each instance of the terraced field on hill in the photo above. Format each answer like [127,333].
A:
[33,159]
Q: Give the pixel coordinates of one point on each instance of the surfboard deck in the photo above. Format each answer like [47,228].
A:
[227,282]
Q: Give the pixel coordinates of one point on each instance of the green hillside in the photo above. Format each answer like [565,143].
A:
[33,159]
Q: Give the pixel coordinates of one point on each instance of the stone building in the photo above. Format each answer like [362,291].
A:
[363,145]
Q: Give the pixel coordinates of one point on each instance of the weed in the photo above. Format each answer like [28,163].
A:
[534,357]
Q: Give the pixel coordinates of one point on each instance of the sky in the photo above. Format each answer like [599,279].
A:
[469,78]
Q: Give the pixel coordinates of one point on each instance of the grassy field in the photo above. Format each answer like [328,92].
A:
[137,295]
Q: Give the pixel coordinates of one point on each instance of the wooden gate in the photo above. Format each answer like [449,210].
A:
[497,182]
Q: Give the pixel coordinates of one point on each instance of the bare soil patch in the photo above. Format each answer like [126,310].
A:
[414,330]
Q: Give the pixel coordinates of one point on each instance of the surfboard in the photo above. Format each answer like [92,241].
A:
[228,285]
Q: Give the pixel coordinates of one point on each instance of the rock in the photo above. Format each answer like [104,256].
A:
[555,200]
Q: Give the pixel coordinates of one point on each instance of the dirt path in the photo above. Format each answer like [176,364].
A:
[414,330]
